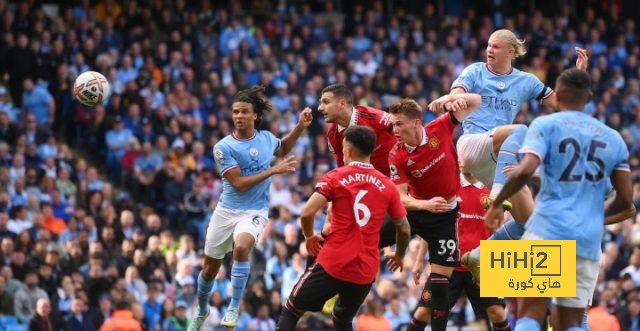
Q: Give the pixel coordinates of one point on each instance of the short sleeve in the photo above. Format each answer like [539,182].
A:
[325,185]
[396,168]
[446,122]
[535,142]
[537,90]
[224,159]
[622,161]
[396,208]
[467,78]
[274,141]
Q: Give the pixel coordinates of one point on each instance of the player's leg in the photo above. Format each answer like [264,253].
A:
[568,313]
[491,306]
[246,233]
[531,313]
[351,296]
[313,288]
[218,241]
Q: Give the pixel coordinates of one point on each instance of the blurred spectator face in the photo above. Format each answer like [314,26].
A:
[27,84]
[77,306]
[43,308]
[31,280]
[126,219]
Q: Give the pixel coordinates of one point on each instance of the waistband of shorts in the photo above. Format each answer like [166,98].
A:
[261,211]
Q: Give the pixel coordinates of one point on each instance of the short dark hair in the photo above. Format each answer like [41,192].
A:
[339,91]
[574,85]
[362,138]
[256,97]
[408,107]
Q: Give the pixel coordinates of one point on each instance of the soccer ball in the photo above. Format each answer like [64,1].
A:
[91,88]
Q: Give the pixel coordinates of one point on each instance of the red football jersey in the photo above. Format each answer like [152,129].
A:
[471,228]
[431,169]
[361,196]
[377,120]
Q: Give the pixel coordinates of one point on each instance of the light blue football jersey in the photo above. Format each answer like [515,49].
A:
[578,155]
[252,156]
[502,95]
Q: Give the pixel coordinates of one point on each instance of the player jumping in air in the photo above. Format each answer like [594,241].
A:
[244,161]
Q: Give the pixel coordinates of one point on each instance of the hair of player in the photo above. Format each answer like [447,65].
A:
[510,38]
[362,138]
[407,107]
[340,91]
[573,86]
[256,97]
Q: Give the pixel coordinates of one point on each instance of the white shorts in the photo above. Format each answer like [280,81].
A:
[586,279]
[475,154]
[226,224]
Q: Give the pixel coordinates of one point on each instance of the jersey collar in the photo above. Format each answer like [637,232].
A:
[352,121]
[233,134]
[464,182]
[361,164]
[495,73]
[411,149]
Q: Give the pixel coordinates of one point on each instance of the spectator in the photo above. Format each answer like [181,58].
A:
[37,101]
[79,319]
[121,318]
[6,298]
[26,298]
[43,320]
[179,321]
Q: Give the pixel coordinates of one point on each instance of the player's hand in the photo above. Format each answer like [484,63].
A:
[582,62]
[286,165]
[507,170]
[305,117]
[437,105]
[436,205]
[456,105]
[493,218]
[417,270]
[394,262]
[314,244]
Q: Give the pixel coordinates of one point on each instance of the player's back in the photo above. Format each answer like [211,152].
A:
[579,154]
[502,95]
[360,196]
[252,156]
[380,122]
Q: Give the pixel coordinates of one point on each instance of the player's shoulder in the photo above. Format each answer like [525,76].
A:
[397,150]
[262,134]
[368,114]
[225,142]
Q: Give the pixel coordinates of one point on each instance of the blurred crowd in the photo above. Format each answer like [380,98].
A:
[103,210]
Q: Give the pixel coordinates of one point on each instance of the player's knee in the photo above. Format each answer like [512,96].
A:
[241,251]
[422,314]
[496,313]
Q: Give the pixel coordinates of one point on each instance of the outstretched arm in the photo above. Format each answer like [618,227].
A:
[290,140]
[243,183]
[461,104]
[307,217]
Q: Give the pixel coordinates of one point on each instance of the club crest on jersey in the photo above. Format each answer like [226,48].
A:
[253,152]
[426,295]
[433,143]
[501,85]
[218,155]
[485,200]
[393,169]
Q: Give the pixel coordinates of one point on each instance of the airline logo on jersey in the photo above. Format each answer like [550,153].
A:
[433,143]
[528,268]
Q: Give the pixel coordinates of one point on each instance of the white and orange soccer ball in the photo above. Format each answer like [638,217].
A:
[91,88]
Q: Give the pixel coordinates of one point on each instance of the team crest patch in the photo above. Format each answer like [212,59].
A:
[253,152]
[501,85]
[426,295]
[393,169]
[433,143]
[218,154]
[485,200]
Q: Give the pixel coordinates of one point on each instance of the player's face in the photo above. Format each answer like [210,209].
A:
[243,115]
[330,107]
[404,128]
[499,52]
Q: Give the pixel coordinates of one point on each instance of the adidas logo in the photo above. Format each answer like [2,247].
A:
[450,259]
[410,162]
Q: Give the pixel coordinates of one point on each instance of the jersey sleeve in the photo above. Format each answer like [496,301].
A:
[224,159]
[537,90]
[467,78]
[325,185]
[398,173]
[621,162]
[273,140]
[535,142]
[396,208]
[446,122]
